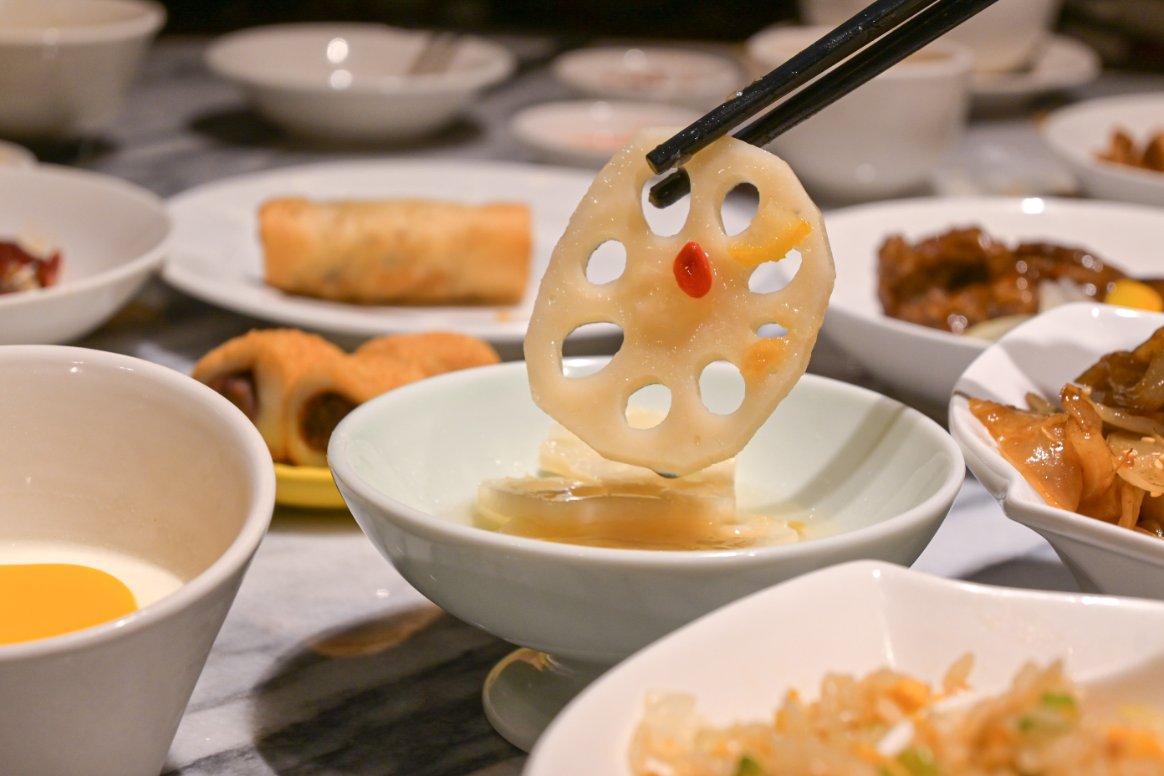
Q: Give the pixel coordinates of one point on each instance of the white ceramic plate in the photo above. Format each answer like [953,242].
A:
[740,660]
[112,236]
[588,132]
[926,362]
[656,73]
[1062,63]
[217,257]
[1040,356]
[1077,132]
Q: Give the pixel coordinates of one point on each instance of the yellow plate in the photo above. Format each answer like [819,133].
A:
[309,487]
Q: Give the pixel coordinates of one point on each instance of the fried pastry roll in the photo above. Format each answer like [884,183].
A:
[433,352]
[257,372]
[325,394]
[397,251]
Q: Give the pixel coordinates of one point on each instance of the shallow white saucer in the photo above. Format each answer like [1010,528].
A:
[1062,63]
[587,132]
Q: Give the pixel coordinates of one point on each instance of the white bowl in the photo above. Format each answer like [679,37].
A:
[883,139]
[349,82]
[872,478]
[588,132]
[650,73]
[1078,132]
[1040,356]
[67,65]
[112,236]
[924,362]
[128,456]
[853,619]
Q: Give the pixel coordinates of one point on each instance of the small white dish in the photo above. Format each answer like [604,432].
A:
[739,662]
[112,237]
[650,73]
[924,362]
[12,155]
[350,82]
[1040,356]
[66,66]
[1060,63]
[588,132]
[1076,133]
[870,477]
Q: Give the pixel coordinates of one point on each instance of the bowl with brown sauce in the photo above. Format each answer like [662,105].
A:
[924,285]
[1062,420]
[473,494]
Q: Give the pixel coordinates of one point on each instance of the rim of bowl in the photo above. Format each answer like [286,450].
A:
[903,522]
[241,549]
[150,18]
[972,205]
[581,67]
[220,58]
[958,60]
[148,259]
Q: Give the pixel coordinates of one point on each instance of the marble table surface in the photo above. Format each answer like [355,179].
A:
[329,662]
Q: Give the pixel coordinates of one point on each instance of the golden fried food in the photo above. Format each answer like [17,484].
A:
[397,251]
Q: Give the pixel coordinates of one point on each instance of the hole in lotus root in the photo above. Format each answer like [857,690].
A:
[739,209]
[591,339]
[721,387]
[666,221]
[771,331]
[648,406]
[770,276]
[607,263]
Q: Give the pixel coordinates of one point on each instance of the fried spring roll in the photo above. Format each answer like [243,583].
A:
[324,395]
[397,251]
[257,372]
[433,352]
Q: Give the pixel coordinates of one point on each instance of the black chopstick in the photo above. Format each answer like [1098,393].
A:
[882,35]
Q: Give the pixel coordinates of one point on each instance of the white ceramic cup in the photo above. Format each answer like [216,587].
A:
[108,451]
[886,137]
[1005,36]
[66,66]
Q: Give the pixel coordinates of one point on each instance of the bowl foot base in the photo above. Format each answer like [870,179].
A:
[526,690]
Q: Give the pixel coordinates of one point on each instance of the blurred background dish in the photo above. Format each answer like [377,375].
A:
[906,121]
[924,362]
[134,469]
[1039,357]
[1060,63]
[691,77]
[1078,133]
[67,65]
[111,236]
[854,619]
[1006,36]
[869,478]
[588,132]
[352,82]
